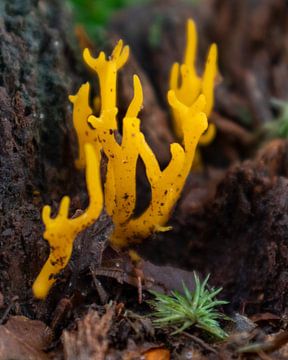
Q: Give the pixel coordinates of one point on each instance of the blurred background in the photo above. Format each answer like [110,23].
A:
[252,86]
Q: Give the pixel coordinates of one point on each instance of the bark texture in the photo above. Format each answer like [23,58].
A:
[38,69]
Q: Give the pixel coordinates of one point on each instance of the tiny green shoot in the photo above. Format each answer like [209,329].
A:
[196,308]
[279,126]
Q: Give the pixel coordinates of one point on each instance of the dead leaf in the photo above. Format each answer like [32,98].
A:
[90,340]
[165,278]
[161,278]
[157,354]
[22,338]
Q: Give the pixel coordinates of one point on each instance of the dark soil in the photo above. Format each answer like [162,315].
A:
[232,218]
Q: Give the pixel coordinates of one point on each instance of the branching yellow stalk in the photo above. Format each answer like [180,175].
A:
[106,70]
[120,185]
[187,85]
[81,112]
[61,231]
[166,185]
[190,102]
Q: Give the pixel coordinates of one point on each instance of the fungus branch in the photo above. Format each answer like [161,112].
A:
[166,185]
[61,231]
[187,85]
[106,70]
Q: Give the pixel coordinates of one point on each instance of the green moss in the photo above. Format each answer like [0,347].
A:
[197,308]
[94,15]
[155,32]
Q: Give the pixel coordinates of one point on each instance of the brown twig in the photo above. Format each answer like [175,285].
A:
[271,345]
[200,342]
[263,356]
[101,291]
[230,128]
[7,311]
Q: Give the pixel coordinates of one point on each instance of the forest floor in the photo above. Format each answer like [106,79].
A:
[231,221]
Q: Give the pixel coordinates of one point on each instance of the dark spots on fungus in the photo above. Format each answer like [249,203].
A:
[62,260]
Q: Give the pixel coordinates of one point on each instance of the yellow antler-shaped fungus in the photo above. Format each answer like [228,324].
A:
[166,185]
[81,112]
[61,231]
[107,73]
[106,70]
[120,185]
[191,85]
[97,133]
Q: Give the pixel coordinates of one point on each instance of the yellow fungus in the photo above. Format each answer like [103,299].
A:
[106,69]
[61,231]
[81,112]
[134,256]
[166,185]
[120,185]
[99,132]
[187,85]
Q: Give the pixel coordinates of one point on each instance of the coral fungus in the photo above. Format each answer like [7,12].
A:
[191,85]
[61,231]
[191,103]
[106,69]
[166,185]
[120,185]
